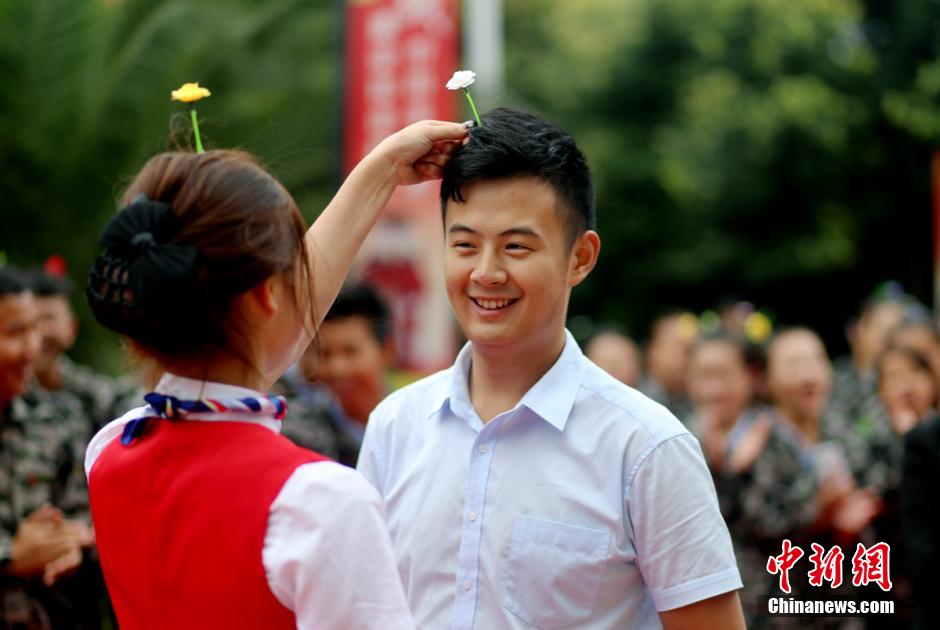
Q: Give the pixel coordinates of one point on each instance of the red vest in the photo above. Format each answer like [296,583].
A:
[180,517]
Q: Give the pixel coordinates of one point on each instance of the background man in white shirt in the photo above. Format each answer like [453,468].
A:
[524,486]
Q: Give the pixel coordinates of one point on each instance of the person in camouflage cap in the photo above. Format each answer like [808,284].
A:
[43,506]
[342,376]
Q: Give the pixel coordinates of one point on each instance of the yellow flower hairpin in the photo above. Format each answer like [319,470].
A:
[190,93]
[758,327]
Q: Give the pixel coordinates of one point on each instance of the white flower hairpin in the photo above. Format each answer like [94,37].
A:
[462,80]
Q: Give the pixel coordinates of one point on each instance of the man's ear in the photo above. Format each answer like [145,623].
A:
[584,255]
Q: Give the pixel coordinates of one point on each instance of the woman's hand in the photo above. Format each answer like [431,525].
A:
[751,446]
[419,152]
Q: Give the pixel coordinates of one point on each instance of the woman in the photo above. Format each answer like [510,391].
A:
[204,515]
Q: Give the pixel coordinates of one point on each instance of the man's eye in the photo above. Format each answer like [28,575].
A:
[463,245]
[516,247]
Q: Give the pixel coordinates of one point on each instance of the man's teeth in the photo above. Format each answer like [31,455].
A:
[492,304]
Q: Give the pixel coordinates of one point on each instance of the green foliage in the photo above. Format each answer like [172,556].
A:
[771,149]
[918,110]
[741,147]
[86,101]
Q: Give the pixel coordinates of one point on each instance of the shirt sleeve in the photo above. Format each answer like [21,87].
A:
[370,462]
[328,556]
[682,544]
[778,495]
[72,493]
[102,439]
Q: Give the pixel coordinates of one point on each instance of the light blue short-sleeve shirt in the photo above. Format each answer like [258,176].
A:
[585,505]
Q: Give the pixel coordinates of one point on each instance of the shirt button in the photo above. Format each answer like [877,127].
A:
[466,585]
[482,448]
[472,516]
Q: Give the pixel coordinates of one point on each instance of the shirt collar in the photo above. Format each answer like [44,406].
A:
[185,388]
[551,398]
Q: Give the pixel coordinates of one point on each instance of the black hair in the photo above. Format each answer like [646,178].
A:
[609,329]
[196,230]
[513,143]
[664,315]
[784,331]
[45,284]
[751,354]
[12,281]
[914,322]
[361,300]
[920,362]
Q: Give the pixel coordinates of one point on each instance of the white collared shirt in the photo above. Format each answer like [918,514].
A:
[585,504]
[326,553]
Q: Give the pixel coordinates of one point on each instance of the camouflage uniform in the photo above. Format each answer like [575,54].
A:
[310,421]
[776,499]
[858,419]
[850,390]
[93,399]
[39,466]
[679,404]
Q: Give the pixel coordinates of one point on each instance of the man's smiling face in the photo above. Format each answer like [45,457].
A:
[508,262]
[19,343]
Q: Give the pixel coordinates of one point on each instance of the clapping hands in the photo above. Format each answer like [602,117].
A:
[48,543]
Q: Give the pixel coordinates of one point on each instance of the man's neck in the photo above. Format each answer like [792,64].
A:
[50,376]
[806,425]
[359,407]
[500,376]
[862,364]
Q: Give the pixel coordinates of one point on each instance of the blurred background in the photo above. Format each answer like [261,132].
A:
[771,151]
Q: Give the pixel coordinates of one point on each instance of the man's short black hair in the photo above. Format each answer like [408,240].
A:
[361,300]
[45,284]
[513,143]
[12,281]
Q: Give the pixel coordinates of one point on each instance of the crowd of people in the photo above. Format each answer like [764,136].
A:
[800,447]
[835,458]
[50,406]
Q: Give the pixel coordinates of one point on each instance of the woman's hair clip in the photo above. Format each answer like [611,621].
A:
[139,272]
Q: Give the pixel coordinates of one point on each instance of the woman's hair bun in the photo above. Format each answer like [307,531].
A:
[139,284]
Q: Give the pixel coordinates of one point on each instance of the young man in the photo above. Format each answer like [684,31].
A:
[524,486]
[93,399]
[342,377]
[40,482]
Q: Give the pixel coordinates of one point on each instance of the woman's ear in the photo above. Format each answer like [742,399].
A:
[265,296]
[584,255]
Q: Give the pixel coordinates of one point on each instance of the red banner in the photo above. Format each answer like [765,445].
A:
[398,55]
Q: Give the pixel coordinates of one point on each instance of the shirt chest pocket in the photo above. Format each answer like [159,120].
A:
[553,571]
